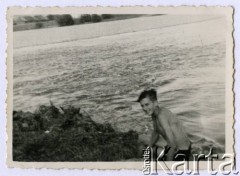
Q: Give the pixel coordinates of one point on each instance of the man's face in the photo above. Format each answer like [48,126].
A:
[147,106]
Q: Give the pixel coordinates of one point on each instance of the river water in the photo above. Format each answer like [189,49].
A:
[184,61]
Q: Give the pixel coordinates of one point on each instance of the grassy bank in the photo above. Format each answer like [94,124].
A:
[68,134]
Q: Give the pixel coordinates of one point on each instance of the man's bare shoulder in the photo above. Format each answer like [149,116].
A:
[166,114]
[164,111]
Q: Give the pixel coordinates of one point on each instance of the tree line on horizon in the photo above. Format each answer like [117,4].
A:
[63,19]
[67,19]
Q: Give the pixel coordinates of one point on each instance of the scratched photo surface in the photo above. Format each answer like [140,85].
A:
[76,79]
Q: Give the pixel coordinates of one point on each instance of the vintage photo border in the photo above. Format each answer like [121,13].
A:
[229,100]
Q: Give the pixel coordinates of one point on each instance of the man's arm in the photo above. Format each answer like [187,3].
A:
[172,150]
[167,127]
[154,138]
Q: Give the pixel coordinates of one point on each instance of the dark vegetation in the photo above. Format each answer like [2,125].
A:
[62,20]
[94,18]
[86,18]
[39,25]
[53,20]
[68,134]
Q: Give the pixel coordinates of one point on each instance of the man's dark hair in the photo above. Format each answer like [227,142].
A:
[152,94]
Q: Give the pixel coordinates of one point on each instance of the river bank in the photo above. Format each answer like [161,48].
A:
[50,134]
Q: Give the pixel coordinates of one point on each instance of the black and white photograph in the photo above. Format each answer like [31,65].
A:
[104,87]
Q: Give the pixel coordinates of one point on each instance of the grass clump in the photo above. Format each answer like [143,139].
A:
[51,134]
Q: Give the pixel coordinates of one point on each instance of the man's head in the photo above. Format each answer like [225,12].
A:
[148,101]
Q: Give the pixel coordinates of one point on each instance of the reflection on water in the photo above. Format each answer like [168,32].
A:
[105,75]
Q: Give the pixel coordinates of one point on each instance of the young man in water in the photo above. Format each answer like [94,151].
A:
[167,125]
